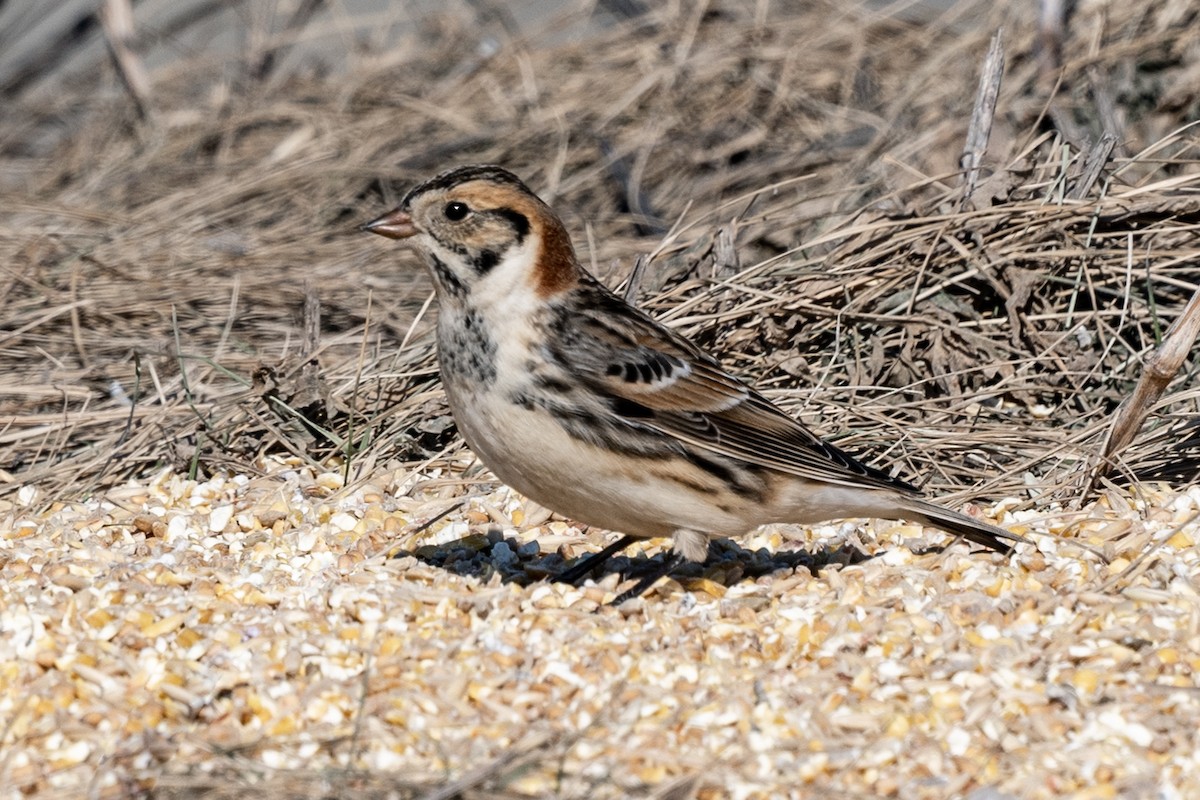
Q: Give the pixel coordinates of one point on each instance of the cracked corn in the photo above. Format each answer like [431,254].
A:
[286,622]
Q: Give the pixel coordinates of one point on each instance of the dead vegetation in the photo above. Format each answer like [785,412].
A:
[792,176]
[157,271]
[184,286]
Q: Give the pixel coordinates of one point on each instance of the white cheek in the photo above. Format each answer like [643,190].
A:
[450,260]
[507,290]
[511,275]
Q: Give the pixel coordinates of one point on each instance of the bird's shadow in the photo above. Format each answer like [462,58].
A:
[482,556]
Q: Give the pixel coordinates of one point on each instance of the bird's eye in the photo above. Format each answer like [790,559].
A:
[456,211]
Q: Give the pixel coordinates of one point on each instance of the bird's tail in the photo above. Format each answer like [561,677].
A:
[960,524]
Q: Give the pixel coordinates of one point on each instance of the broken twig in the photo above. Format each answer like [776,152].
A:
[982,115]
[1160,369]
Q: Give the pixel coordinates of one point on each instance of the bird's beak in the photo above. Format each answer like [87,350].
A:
[396,224]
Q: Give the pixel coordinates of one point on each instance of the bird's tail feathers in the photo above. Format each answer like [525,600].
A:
[960,524]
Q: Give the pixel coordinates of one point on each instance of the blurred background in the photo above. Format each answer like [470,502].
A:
[185,288]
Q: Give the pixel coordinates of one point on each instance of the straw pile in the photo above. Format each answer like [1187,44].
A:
[221,418]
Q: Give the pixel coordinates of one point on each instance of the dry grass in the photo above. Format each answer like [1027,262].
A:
[155,272]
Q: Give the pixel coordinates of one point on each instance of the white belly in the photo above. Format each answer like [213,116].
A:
[642,496]
[528,449]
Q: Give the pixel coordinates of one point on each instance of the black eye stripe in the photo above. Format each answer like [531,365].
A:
[518,221]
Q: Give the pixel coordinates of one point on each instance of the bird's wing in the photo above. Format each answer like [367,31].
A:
[656,378]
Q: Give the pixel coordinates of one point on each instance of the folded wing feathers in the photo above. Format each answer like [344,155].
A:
[689,396]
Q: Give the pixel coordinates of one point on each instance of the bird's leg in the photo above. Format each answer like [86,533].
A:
[673,560]
[593,562]
[687,545]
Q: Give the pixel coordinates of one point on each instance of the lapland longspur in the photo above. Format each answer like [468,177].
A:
[592,408]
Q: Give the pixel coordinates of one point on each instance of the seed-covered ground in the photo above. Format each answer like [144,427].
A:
[284,632]
[243,553]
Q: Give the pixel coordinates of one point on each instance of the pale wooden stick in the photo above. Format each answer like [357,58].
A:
[982,115]
[1160,369]
[116,17]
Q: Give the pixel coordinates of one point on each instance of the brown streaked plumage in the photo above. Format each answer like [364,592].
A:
[594,409]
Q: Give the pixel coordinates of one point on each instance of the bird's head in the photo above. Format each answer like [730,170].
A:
[481,230]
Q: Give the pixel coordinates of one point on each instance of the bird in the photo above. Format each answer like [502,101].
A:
[594,409]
